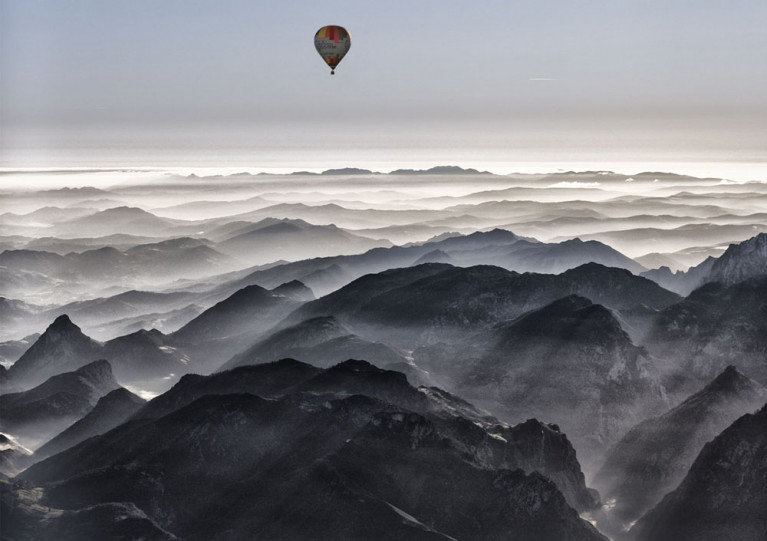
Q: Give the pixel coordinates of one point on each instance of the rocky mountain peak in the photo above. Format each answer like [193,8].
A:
[731,381]
[120,396]
[570,318]
[61,326]
[296,290]
[99,374]
[62,347]
[741,261]
[435,256]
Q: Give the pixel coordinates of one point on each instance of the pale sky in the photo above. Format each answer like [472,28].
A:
[168,81]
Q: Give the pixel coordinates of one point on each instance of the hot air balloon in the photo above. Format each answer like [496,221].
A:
[332,42]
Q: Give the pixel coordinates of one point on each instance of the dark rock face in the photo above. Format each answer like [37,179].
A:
[48,408]
[231,316]
[144,355]
[653,458]
[110,411]
[714,327]
[295,290]
[445,303]
[435,256]
[723,495]
[349,452]
[235,323]
[321,341]
[681,282]
[571,362]
[557,258]
[741,261]
[61,348]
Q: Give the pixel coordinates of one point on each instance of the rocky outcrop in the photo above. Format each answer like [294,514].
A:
[723,495]
[349,449]
[653,458]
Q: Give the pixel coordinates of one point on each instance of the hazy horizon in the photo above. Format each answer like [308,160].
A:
[178,84]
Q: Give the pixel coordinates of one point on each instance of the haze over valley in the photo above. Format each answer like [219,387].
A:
[353,354]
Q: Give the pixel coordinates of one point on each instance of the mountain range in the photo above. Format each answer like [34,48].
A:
[35,415]
[350,449]
[653,457]
[138,357]
[426,354]
[722,496]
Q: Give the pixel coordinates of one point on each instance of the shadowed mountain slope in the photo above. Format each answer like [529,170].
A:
[713,327]
[722,496]
[346,448]
[109,412]
[653,457]
[569,362]
[44,410]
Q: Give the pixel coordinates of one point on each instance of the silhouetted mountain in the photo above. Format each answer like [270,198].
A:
[556,258]
[320,341]
[295,290]
[496,247]
[269,380]
[267,241]
[447,302]
[144,355]
[440,170]
[287,376]
[569,361]
[741,261]
[61,348]
[653,458]
[347,171]
[308,333]
[234,323]
[334,446]
[109,412]
[715,326]
[117,220]
[723,495]
[435,256]
[137,357]
[326,279]
[682,282]
[38,413]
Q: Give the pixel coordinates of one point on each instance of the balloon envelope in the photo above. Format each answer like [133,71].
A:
[332,42]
